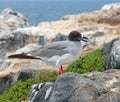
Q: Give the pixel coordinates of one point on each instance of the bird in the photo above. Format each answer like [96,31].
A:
[59,53]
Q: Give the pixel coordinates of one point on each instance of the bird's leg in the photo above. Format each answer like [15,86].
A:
[61,70]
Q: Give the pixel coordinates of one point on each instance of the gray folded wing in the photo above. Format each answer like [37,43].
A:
[54,49]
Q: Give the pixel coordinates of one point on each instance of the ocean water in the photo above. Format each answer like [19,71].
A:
[37,11]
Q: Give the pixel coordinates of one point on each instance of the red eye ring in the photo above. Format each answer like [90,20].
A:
[76,33]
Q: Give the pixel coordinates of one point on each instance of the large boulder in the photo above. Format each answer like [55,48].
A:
[112,50]
[73,87]
[13,19]
[10,38]
[114,19]
[112,6]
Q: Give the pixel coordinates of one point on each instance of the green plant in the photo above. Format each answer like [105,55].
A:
[46,76]
[93,61]
[20,90]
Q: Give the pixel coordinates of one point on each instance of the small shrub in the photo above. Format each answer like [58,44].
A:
[93,61]
[20,90]
[46,76]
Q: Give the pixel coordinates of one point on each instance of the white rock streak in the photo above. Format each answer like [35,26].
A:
[47,93]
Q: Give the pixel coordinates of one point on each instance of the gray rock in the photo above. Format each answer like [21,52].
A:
[6,39]
[112,50]
[5,83]
[68,17]
[23,76]
[69,86]
[4,65]
[61,36]
[112,6]
[9,11]
[40,92]
[20,39]
[73,87]
[7,80]
[13,19]
[10,40]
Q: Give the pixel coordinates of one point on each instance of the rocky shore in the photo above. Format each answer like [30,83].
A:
[17,35]
[73,87]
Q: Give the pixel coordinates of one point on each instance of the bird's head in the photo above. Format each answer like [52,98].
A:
[74,36]
[77,36]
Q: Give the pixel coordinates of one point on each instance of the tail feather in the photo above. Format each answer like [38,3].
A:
[22,56]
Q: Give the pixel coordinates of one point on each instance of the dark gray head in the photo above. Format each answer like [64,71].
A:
[74,36]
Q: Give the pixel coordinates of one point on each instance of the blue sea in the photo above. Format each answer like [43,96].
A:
[37,11]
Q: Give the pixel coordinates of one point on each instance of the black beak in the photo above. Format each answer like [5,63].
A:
[84,39]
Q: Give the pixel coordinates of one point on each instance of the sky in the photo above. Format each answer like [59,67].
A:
[60,0]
